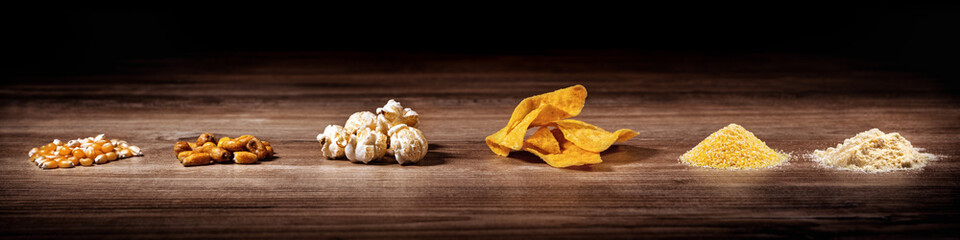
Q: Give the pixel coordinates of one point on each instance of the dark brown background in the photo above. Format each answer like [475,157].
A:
[799,83]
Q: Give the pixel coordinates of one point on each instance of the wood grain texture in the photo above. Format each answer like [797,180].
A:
[462,190]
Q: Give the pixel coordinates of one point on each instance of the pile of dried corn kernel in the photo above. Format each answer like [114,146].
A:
[733,147]
[245,149]
[81,151]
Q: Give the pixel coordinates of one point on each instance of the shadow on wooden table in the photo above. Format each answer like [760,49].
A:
[614,156]
[433,158]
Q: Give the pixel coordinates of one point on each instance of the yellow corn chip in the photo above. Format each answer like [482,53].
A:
[590,137]
[501,141]
[537,111]
[543,140]
[569,155]
[572,143]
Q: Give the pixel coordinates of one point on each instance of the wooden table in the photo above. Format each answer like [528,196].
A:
[794,103]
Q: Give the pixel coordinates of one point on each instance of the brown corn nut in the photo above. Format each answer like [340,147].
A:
[184,154]
[244,157]
[254,144]
[196,159]
[220,155]
[269,151]
[223,140]
[205,138]
[244,139]
[261,153]
[233,145]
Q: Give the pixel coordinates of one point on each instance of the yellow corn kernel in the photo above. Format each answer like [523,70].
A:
[135,151]
[74,160]
[196,159]
[101,159]
[50,164]
[39,160]
[63,151]
[65,164]
[111,156]
[33,152]
[86,162]
[244,157]
[107,147]
[125,153]
[90,152]
[77,152]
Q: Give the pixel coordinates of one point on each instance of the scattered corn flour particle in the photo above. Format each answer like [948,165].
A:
[873,151]
[733,147]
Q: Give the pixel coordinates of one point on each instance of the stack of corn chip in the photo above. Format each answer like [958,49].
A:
[560,142]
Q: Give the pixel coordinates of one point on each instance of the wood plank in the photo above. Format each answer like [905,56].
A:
[462,190]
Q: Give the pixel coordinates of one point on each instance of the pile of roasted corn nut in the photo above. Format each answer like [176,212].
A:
[207,149]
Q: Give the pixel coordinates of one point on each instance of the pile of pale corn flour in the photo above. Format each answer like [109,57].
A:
[873,151]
